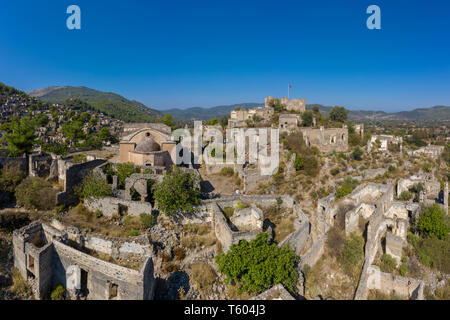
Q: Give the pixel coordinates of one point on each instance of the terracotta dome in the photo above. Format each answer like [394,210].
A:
[148,145]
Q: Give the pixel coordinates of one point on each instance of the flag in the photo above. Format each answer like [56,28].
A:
[289,86]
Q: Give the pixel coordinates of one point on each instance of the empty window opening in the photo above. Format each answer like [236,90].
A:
[30,262]
[113,291]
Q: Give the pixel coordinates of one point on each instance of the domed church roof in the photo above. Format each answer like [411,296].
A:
[148,145]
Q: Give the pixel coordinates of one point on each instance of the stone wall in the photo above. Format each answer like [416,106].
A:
[40,253]
[70,175]
[432,188]
[297,240]
[110,206]
[326,140]
[389,284]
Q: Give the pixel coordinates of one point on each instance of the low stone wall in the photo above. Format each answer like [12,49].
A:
[41,249]
[297,240]
[225,235]
[388,283]
[117,248]
[101,274]
[110,206]
[314,253]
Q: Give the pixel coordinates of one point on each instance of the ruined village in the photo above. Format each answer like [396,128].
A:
[354,211]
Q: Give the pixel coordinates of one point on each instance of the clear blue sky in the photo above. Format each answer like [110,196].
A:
[206,53]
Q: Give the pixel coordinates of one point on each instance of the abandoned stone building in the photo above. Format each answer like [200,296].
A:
[296,105]
[47,257]
[288,122]
[148,145]
[239,117]
[428,151]
[326,139]
[385,141]
[384,219]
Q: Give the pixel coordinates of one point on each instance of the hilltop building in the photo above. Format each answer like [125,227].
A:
[148,145]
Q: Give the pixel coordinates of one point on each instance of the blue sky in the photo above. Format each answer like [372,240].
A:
[206,53]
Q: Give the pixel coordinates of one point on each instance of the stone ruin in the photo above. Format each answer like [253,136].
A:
[296,105]
[386,218]
[47,256]
[431,151]
[249,222]
[385,141]
[326,139]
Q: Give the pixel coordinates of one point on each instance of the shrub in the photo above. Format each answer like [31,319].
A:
[133,233]
[388,263]
[357,154]
[433,221]
[93,186]
[227,171]
[36,193]
[124,170]
[58,293]
[240,205]
[405,196]
[432,251]
[259,264]
[177,193]
[346,188]
[148,220]
[403,269]
[203,275]
[10,177]
[352,254]
[20,285]
[335,171]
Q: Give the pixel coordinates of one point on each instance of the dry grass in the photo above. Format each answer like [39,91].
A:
[283,221]
[194,241]
[20,285]
[232,293]
[379,295]
[203,276]
[83,219]
[198,236]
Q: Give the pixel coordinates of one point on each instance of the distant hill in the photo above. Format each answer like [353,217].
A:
[109,103]
[437,113]
[197,113]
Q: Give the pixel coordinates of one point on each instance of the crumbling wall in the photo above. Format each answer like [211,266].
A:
[431,187]
[101,274]
[110,206]
[39,165]
[70,175]
[388,283]
[297,240]
[39,252]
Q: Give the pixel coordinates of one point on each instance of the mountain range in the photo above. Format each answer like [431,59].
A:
[119,107]
[109,103]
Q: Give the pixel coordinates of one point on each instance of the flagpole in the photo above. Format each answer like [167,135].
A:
[289,89]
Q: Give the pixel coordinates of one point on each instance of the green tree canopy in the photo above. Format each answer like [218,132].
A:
[259,264]
[433,221]
[72,130]
[168,120]
[338,114]
[20,136]
[177,192]
[93,186]
[307,118]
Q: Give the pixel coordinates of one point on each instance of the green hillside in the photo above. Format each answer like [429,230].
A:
[111,104]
